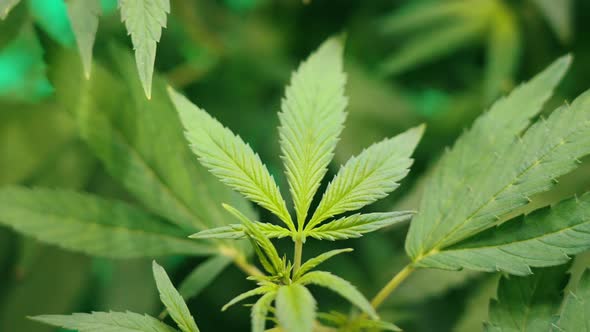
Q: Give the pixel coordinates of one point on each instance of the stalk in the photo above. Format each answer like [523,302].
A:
[392,285]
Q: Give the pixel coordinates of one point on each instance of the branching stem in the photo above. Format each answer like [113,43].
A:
[242,263]
[391,285]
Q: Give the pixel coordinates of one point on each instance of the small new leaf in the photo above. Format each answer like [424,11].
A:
[528,303]
[173,301]
[295,308]
[84,16]
[313,262]
[253,292]
[105,321]
[144,20]
[358,224]
[312,118]
[260,310]
[575,314]
[369,176]
[229,158]
[341,287]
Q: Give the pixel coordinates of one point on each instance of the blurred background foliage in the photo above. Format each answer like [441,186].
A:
[408,62]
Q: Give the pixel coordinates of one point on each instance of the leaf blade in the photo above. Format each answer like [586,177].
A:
[109,228]
[544,238]
[173,300]
[105,321]
[295,308]
[575,313]
[341,287]
[311,120]
[202,276]
[229,158]
[144,20]
[357,224]
[528,303]
[370,176]
[493,135]
[84,17]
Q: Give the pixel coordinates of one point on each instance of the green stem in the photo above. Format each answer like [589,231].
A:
[391,286]
[297,255]
[249,269]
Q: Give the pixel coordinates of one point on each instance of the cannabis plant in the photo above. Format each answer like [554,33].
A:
[472,213]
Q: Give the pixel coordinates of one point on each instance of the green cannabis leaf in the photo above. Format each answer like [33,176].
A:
[128,321]
[84,16]
[105,321]
[546,237]
[295,308]
[144,20]
[90,224]
[312,118]
[173,301]
[230,159]
[576,309]
[528,303]
[506,168]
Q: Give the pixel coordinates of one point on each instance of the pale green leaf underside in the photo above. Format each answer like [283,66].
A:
[546,237]
[358,224]
[173,300]
[229,158]
[144,20]
[491,170]
[368,177]
[238,231]
[83,15]
[341,287]
[575,314]
[6,6]
[89,224]
[106,322]
[527,303]
[202,276]
[311,119]
[295,308]
[260,310]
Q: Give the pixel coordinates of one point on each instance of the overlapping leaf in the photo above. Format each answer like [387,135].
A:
[575,315]
[491,170]
[260,310]
[92,225]
[528,303]
[544,238]
[6,6]
[312,118]
[144,20]
[135,145]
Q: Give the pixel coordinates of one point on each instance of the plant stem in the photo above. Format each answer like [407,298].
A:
[391,286]
[246,267]
[297,254]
